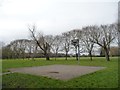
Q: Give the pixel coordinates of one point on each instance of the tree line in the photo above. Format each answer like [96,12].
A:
[49,45]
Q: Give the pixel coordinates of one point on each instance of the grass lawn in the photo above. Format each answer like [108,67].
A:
[107,78]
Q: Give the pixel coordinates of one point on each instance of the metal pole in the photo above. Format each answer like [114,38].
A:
[78,55]
[76,52]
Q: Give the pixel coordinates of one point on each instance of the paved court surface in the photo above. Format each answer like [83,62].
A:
[62,72]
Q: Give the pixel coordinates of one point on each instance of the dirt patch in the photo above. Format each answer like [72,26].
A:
[62,72]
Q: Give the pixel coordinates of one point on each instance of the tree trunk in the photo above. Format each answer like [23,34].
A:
[77,56]
[76,53]
[66,56]
[107,54]
[23,55]
[90,55]
[55,55]
[47,56]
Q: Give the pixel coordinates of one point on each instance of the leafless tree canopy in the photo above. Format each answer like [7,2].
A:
[49,45]
[103,36]
[43,42]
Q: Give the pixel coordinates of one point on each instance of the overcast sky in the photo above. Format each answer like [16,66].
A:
[52,16]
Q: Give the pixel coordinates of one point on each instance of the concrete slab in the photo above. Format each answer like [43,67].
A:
[62,72]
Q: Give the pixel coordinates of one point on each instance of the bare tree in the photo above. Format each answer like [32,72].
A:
[15,49]
[86,41]
[50,40]
[31,49]
[34,49]
[66,43]
[117,31]
[103,36]
[23,45]
[6,52]
[18,48]
[56,44]
[40,41]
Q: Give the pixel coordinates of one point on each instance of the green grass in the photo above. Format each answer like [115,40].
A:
[107,78]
